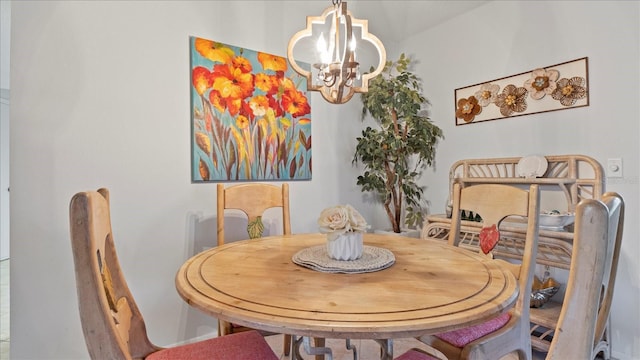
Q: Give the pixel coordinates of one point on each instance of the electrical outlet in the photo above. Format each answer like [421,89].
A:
[614,168]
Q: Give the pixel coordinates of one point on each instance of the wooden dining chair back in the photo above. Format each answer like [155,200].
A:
[616,206]
[112,324]
[253,200]
[576,327]
[597,227]
[508,332]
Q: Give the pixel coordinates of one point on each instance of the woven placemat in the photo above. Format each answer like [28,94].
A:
[372,259]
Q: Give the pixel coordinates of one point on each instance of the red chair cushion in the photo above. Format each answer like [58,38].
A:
[415,355]
[460,338]
[240,346]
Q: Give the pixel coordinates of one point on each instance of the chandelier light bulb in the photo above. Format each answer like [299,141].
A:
[325,56]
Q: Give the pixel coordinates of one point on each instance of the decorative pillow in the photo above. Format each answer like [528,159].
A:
[240,346]
[489,236]
[460,338]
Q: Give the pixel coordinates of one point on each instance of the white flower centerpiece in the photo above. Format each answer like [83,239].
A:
[344,227]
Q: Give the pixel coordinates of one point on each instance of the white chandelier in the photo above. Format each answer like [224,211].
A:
[335,71]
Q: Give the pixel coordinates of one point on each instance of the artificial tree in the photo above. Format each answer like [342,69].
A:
[396,152]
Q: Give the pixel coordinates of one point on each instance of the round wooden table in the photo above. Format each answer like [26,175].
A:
[432,287]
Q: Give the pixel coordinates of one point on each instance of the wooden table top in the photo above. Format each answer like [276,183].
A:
[431,288]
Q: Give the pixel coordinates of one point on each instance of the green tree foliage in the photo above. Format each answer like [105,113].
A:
[395,154]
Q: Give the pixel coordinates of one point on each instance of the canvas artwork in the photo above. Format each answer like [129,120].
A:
[250,114]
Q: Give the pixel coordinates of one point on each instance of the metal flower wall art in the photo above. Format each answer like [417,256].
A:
[251,116]
[555,87]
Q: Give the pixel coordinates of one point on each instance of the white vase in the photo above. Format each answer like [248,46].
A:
[347,246]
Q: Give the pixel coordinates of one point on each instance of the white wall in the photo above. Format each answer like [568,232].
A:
[5,41]
[504,38]
[100,98]
[4,174]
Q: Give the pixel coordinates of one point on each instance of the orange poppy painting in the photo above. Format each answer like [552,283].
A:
[250,113]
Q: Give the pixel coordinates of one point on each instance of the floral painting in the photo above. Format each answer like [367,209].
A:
[250,113]
[555,87]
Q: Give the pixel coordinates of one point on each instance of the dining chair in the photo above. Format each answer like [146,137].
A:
[575,331]
[616,206]
[253,199]
[576,327]
[112,324]
[508,332]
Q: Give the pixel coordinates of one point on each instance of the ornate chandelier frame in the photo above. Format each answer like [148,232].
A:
[337,73]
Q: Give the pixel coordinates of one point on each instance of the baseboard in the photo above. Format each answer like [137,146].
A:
[616,355]
[192,340]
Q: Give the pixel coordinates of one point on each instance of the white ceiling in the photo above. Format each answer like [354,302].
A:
[393,21]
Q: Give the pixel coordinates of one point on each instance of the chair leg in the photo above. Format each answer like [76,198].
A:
[224,328]
[319,342]
[287,344]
